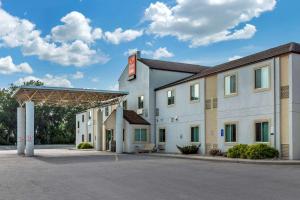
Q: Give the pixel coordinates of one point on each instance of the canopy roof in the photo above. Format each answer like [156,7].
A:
[59,96]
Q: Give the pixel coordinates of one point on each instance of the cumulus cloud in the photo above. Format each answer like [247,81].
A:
[76,27]
[48,80]
[77,75]
[69,49]
[120,35]
[161,52]
[234,58]
[7,66]
[206,22]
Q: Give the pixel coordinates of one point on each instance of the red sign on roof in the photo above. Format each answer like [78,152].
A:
[132,67]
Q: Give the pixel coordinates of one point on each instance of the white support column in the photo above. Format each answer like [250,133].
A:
[29,128]
[99,128]
[21,131]
[119,129]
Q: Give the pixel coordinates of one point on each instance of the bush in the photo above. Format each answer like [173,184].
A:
[84,145]
[189,149]
[261,151]
[238,151]
[215,152]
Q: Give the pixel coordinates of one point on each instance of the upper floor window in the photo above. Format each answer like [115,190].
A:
[230,133]
[262,78]
[195,134]
[262,132]
[90,114]
[82,118]
[230,85]
[106,111]
[125,104]
[194,92]
[140,102]
[78,124]
[171,97]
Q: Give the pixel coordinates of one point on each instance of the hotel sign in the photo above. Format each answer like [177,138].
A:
[132,67]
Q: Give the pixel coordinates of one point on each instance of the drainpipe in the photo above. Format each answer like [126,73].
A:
[275,131]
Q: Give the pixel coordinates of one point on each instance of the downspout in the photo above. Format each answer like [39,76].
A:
[275,132]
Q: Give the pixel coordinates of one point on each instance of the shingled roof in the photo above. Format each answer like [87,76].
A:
[172,66]
[251,59]
[133,118]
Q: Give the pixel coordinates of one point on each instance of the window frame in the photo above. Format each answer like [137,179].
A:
[140,136]
[254,78]
[90,137]
[82,138]
[174,101]
[78,124]
[269,130]
[142,98]
[191,127]
[193,85]
[236,132]
[162,128]
[236,84]
[82,118]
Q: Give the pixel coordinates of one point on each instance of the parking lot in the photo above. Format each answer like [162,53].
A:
[86,175]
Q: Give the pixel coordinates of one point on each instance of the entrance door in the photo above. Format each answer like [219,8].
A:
[108,138]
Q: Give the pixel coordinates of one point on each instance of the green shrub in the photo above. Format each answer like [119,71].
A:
[215,152]
[238,151]
[84,145]
[261,151]
[189,149]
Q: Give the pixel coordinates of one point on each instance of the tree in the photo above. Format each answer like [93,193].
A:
[53,125]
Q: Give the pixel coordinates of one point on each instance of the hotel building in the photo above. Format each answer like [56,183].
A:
[255,99]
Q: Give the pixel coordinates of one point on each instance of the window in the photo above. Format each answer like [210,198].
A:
[106,111]
[90,114]
[230,133]
[140,135]
[82,118]
[194,92]
[82,138]
[262,78]
[195,134]
[78,124]
[171,97]
[125,105]
[123,135]
[162,135]
[90,137]
[230,85]
[140,102]
[262,132]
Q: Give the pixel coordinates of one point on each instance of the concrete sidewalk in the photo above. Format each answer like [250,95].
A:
[224,159]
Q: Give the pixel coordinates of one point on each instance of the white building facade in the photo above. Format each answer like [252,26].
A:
[251,100]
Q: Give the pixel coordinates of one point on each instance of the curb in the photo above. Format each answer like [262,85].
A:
[227,160]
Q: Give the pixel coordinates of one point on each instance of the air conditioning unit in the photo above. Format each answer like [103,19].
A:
[140,111]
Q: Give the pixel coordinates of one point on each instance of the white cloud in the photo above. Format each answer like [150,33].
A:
[206,22]
[234,58]
[76,27]
[119,35]
[48,80]
[95,80]
[114,87]
[161,52]
[77,75]
[8,67]
[15,32]
[149,44]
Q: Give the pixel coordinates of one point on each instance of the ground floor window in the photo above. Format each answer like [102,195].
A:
[195,134]
[162,135]
[90,137]
[230,133]
[262,131]
[82,138]
[140,135]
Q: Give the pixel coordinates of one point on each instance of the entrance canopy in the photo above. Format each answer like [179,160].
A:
[59,96]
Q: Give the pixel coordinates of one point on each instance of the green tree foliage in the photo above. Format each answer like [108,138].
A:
[53,125]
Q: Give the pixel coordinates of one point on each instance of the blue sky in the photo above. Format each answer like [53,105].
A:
[83,43]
